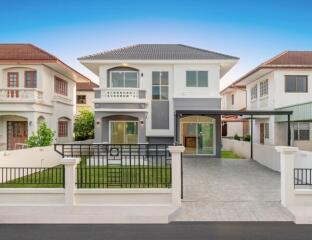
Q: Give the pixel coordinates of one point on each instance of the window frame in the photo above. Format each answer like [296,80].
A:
[197,80]
[254,92]
[298,138]
[266,130]
[124,78]
[232,99]
[62,131]
[32,81]
[81,95]
[160,85]
[264,88]
[9,81]
[60,86]
[296,78]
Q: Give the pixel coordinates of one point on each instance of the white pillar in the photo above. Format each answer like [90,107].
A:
[70,179]
[287,158]
[176,173]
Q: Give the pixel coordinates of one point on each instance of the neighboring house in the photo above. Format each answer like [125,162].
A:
[35,86]
[85,95]
[145,88]
[234,98]
[282,83]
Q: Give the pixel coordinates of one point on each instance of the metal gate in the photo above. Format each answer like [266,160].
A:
[120,165]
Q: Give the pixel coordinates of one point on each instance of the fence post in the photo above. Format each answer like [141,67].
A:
[287,159]
[176,173]
[70,164]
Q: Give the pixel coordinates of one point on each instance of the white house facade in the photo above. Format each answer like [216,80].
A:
[282,83]
[145,88]
[85,96]
[234,98]
[35,86]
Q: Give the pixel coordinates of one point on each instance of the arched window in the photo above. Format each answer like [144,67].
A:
[63,124]
[40,120]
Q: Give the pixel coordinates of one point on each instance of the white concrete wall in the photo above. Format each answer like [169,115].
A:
[234,128]
[267,156]
[239,99]
[31,157]
[89,100]
[241,148]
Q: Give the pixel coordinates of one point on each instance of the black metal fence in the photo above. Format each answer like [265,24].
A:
[303,177]
[17,177]
[120,165]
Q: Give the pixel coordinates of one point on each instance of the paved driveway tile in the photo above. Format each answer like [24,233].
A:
[230,190]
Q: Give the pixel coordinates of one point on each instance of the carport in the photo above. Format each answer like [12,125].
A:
[247,114]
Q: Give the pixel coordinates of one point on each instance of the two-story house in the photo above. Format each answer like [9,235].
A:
[85,95]
[282,83]
[234,98]
[145,88]
[35,86]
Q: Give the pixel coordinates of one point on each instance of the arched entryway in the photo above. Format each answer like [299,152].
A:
[198,135]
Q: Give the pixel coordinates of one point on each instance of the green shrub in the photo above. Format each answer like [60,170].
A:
[236,137]
[84,125]
[247,138]
[42,137]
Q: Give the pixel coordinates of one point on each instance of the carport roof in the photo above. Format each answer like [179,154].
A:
[233,112]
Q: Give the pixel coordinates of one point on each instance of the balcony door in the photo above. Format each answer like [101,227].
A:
[123,132]
[12,83]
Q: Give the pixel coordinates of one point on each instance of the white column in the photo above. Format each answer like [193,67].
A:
[70,179]
[287,158]
[176,173]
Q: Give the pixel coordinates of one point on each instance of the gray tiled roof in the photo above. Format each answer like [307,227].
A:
[158,52]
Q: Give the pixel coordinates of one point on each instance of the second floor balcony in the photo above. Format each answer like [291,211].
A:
[120,95]
[21,95]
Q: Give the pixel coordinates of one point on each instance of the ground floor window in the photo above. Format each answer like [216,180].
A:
[198,135]
[302,131]
[62,128]
[17,133]
[123,132]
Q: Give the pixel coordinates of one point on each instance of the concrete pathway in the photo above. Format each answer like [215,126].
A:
[230,190]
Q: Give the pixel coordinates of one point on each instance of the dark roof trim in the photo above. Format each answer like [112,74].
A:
[232,112]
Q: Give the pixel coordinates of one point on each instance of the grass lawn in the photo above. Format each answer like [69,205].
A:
[112,176]
[229,154]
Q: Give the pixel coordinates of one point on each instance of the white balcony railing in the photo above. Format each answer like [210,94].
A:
[20,94]
[120,94]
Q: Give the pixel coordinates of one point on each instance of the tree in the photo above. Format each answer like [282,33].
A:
[84,125]
[43,137]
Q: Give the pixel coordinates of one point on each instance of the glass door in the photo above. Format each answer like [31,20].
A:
[205,138]
[123,132]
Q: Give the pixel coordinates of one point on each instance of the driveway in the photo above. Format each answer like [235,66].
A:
[230,190]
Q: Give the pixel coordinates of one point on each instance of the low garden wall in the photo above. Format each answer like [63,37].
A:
[30,157]
[266,154]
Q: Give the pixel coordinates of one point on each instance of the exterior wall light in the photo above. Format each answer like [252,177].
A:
[142,123]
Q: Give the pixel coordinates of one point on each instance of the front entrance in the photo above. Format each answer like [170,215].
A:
[17,133]
[198,135]
[262,133]
[123,132]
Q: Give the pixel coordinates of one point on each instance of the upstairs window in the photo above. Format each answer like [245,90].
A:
[232,98]
[60,86]
[296,83]
[124,79]
[302,131]
[12,79]
[197,78]
[254,92]
[264,88]
[30,79]
[81,99]
[160,88]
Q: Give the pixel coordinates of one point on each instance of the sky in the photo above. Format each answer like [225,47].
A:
[254,31]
